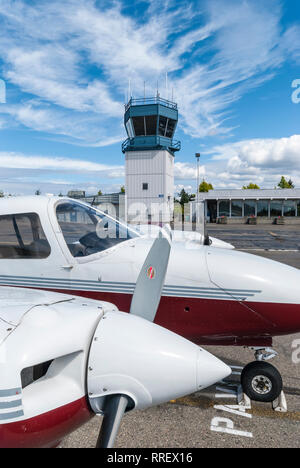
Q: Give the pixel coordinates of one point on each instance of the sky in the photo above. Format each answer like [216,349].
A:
[231,65]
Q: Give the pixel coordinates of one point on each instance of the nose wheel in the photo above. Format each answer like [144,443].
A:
[261,382]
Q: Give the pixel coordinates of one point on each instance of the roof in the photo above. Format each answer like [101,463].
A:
[260,194]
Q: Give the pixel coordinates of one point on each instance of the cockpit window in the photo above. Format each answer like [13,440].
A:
[87,231]
[22,236]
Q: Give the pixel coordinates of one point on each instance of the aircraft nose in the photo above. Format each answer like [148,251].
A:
[210,369]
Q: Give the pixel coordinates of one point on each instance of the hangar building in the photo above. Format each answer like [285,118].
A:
[265,204]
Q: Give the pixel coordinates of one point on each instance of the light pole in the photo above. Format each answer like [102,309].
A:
[198,180]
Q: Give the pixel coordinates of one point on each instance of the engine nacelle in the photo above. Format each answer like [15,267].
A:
[147,363]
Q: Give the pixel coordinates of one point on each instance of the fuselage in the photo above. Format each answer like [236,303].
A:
[211,295]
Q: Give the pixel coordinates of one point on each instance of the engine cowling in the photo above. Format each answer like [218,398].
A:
[147,363]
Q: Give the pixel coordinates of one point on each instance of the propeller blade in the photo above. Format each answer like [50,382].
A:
[113,414]
[151,279]
[201,223]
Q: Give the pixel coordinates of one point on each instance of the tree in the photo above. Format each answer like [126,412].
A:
[122,189]
[1,194]
[184,197]
[100,193]
[205,186]
[251,186]
[284,184]
[38,192]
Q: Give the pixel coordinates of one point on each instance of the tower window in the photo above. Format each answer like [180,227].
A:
[145,186]
[139,126]
[151,123]
[162,125]
[171,128]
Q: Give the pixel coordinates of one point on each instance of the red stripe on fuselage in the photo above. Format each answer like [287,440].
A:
[45,430]
[211,321]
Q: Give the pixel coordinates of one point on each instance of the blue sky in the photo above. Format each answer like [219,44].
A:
[66,66]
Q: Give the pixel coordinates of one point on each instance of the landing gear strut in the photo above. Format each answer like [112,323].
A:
[260,380]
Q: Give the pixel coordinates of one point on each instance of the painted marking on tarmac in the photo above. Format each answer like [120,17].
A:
[225,425]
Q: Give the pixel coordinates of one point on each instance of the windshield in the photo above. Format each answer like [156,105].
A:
[87,231]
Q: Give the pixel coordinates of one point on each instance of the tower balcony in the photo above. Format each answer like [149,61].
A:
[153,142]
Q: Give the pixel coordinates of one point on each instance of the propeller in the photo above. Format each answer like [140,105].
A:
[144,304]
[201,223]
[150,282]
[113,413]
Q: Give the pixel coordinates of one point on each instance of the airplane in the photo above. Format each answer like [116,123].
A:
[212,295]
[64,359]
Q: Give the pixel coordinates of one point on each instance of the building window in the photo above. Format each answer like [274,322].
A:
[171,128]
[289,208]
[298,207]
[139,126]
[130,129]
[224,208]
[145,186]
[237,208]
[151,123]
[162,125]
[249,208]
[263,208]
[276,208]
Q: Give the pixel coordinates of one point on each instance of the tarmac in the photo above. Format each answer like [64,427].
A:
[211,419]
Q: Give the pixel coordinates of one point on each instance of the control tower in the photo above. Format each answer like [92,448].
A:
[150,151]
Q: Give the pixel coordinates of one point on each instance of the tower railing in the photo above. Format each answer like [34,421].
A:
[154,100]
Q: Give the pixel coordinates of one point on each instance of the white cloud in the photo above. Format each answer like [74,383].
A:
[276,153]
[72,77]
[81,64]
[24,174]
[187,171]
[82,129]
[20,161]
[262,161]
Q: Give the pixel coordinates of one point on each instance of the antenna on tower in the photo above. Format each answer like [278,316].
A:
[167,94]
[129,88]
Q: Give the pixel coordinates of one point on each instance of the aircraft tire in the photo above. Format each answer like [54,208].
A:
[261,382]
